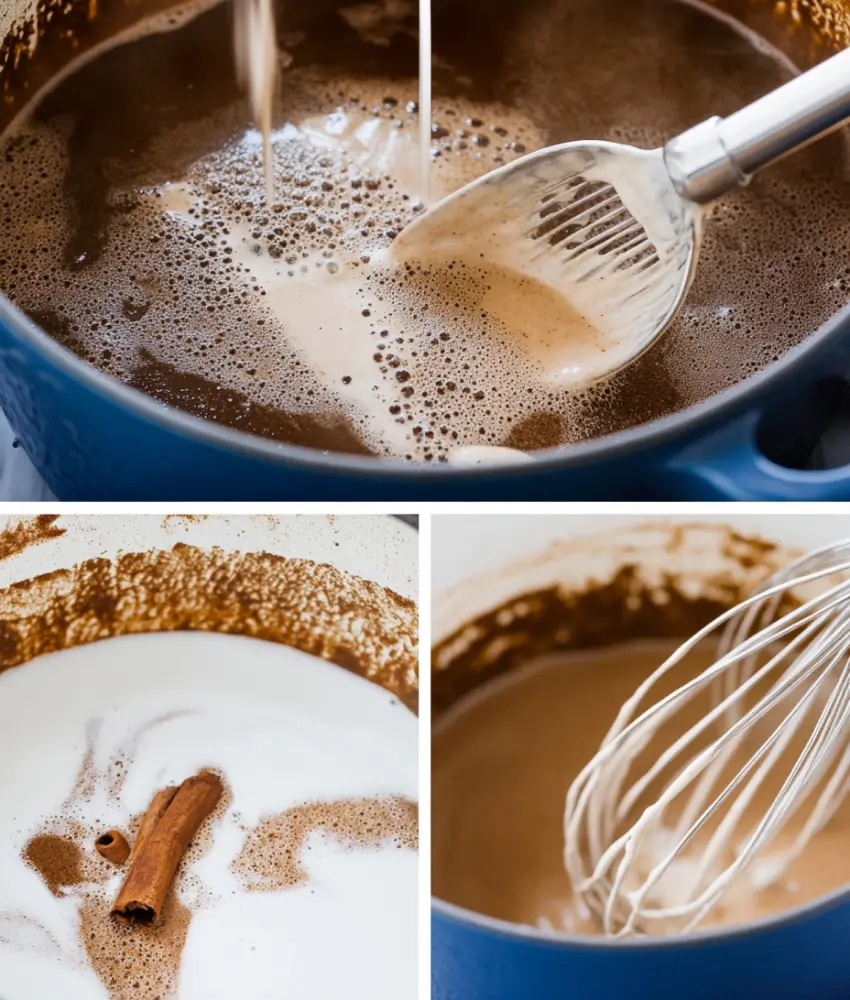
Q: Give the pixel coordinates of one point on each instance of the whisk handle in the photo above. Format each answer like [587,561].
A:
[723,153]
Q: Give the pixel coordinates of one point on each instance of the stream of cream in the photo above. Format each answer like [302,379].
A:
[256,58]
[257,65]
[425,100]
[330,301]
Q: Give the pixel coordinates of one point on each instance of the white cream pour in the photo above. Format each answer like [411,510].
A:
[256,57]
[425,100]
[373,144]
[257,69]
[319,307]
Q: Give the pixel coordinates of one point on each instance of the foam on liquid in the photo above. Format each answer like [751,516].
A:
[338,918]
[268,317]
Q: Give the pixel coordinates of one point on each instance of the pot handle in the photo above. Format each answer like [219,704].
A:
[728,464]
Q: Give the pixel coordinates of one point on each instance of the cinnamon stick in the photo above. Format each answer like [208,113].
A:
[113,846]
[159,803]
[155,861]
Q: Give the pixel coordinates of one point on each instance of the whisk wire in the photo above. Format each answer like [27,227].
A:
[778,711]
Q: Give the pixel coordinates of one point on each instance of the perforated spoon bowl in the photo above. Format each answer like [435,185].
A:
[617,229]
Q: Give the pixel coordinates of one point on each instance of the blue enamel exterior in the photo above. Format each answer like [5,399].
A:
[95,439]
[801,957]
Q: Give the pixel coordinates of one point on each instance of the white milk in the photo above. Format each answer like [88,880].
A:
[284,728]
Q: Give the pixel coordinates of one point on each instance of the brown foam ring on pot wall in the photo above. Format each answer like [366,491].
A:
[58,31]
[813,29]
[634,601]
[314,607]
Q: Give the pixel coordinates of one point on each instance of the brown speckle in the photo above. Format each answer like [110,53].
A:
[135,963]
[270,857]
[28,531]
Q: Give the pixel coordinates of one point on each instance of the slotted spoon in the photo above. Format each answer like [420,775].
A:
[617,229]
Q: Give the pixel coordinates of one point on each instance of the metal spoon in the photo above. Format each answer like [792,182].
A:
[617,229]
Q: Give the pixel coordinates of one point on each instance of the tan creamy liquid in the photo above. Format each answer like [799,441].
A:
[597,317]
[503,759]
[137,229]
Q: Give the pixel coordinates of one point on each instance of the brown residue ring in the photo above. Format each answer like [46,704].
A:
[314,607]
[627,607]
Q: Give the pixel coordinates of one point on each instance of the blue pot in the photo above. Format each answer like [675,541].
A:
[93,438]
[481,564]
[804,955]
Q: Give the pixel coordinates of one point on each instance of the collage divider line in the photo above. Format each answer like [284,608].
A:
[425,597]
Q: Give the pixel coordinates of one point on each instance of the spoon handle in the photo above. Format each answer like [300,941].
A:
[722,153]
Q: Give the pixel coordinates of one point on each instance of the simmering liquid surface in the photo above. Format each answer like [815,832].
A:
[136,230]
[503,759]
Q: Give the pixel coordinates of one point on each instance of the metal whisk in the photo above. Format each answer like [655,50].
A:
[617,229]
[654,843]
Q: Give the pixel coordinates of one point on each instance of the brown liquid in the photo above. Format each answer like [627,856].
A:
[173,308]
[503,760]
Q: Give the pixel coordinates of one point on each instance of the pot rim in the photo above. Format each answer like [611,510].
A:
[587,942]
[253,446]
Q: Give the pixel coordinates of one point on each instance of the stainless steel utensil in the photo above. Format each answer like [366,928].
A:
[617,229]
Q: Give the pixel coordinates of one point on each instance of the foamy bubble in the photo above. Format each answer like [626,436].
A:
[293,304]
[196,291]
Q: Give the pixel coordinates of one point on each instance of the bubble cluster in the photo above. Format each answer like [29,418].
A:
[160,262]
[273,857]
[134,963]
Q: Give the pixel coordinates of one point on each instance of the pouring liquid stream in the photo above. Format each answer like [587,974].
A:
[257,65]
[256,58]
[424,100]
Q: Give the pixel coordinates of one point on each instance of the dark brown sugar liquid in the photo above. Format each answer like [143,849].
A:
[136,233]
